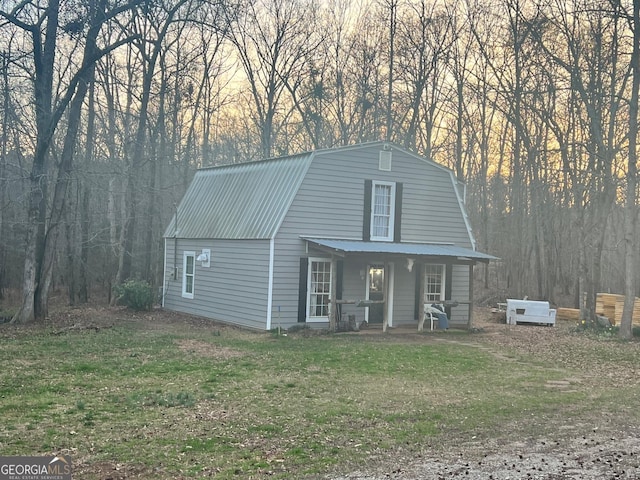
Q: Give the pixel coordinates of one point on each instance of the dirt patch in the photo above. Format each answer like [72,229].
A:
[114,471]
[96,317]
[592,457]
[208,350]
[606,447]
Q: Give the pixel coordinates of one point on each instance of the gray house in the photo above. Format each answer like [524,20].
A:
[369,232]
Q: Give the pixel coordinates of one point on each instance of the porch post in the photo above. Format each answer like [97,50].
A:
[385,297]
[420,267]
[470,322]
[333,306]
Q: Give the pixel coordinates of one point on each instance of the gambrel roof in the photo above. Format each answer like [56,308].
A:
[250,200]
[241,201]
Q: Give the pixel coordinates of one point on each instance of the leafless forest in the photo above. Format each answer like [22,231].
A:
[109,106]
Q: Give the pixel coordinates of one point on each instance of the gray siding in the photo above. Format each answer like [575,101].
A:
[404,296]
[233,289]
[354,288]
[330,203]
[460,292]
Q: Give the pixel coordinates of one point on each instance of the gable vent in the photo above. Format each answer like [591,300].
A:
[385,161]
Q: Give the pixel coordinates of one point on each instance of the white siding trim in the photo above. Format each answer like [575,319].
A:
[392,211]
[164,272]
[270,288]
[390,291]
[310,260]
[463,210]
[384,162]
[186,254]
[443,281]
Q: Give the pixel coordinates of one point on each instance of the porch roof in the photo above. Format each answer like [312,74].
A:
[344,247]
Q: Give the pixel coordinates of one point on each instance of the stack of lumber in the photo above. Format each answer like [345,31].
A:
[611,305]
[606,305]
[570,314]
[636,311]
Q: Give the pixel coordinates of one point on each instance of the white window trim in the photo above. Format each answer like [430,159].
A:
[313,319]
[391,286]
[185,255]
[443,282]
[392,211]
[384,162]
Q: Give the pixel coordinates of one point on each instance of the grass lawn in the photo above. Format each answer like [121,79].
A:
[164,397]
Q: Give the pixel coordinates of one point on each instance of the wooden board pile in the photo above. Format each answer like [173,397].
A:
[610,305]
[569,314]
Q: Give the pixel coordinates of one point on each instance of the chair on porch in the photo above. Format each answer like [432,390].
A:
[436,313]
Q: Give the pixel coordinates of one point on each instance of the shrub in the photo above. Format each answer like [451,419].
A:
[135,294]
[604,330]
[298,327]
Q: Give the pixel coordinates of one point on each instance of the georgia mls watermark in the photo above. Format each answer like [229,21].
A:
[35,468]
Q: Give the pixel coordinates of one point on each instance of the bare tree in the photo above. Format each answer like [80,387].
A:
[590,56]
[41,22]
[424,44]
[630,217]
[392,6]
[272,41]
[4,145]
[152,31]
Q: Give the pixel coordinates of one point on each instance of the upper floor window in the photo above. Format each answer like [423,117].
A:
[383,210]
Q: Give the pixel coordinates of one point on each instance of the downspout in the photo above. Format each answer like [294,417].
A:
[272,243]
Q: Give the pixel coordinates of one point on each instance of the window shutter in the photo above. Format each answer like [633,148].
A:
[416,311]
[397,233]
[302,290]
[366,216]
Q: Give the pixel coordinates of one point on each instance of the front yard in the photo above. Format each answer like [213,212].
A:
[159,395]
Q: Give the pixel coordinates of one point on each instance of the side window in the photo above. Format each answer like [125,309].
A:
[434,283]
[188,274]
[382,211]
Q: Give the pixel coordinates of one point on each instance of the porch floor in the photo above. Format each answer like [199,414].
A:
[376,328]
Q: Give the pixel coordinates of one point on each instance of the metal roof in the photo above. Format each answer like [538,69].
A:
[343,247]
[242,201]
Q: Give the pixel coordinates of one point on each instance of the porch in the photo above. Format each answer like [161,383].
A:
[388,284]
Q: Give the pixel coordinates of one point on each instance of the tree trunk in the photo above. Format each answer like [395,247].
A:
[393,7]
[43,62]
[70,250]
[3,171]
[83,281]
[136,160]
[630,242]
[65,168]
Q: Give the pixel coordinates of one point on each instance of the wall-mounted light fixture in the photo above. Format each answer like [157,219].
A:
[410,262]
[205,257]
